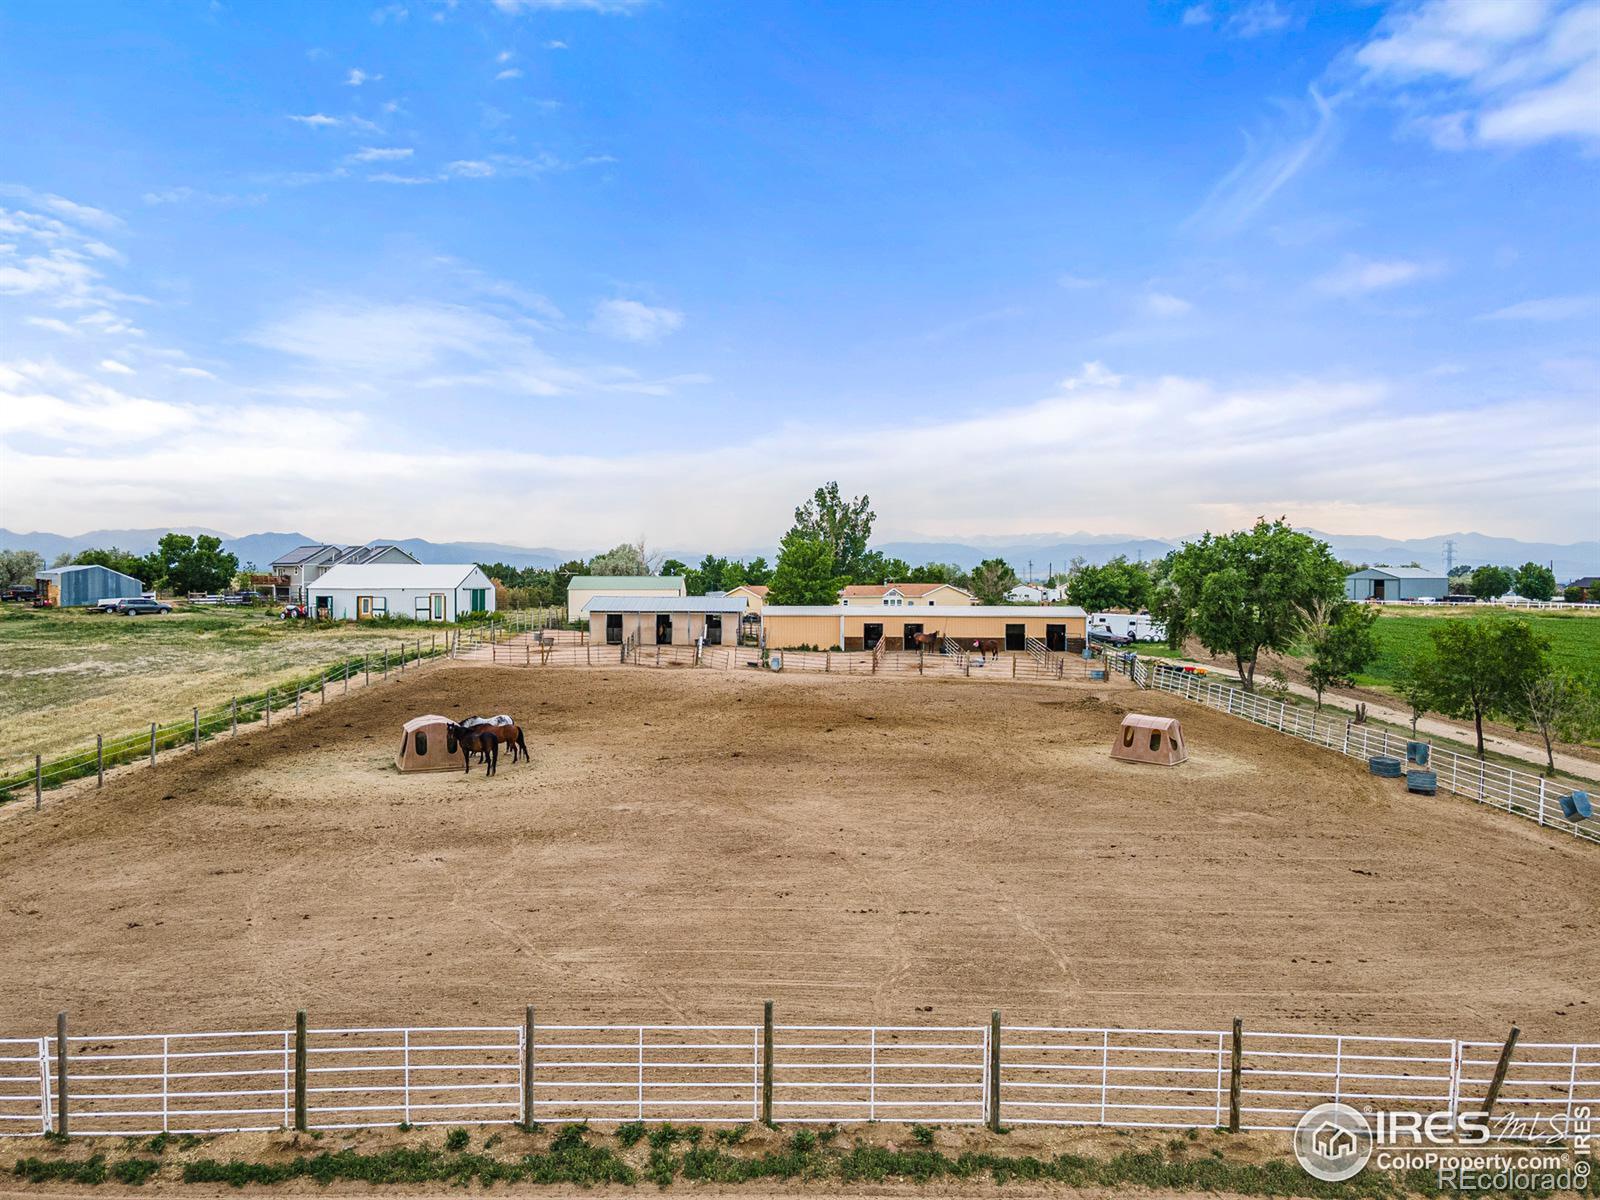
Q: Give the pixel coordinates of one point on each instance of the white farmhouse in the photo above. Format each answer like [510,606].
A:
[418,591]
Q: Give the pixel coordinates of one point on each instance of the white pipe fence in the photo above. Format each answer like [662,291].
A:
[373,1077]
[1520,793]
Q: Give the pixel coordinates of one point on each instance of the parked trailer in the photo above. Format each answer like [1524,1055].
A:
[1141,627]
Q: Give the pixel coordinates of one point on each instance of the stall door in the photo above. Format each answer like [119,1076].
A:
[911,632]
[871,635]
[663,629]
[1016,637]
[1055,637]
[613,629]
[713,629]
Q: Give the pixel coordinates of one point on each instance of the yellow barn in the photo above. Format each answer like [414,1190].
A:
[863,626]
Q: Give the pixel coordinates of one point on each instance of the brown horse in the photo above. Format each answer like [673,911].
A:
[926,641]
[479,739]
[985,646]
[508,735]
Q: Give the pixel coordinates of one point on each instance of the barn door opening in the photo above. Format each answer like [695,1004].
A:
[911,632]
[713,629]
[871,635]
[1055,637]
[613,629]
[663,629]
[1377,589]
[1016,637]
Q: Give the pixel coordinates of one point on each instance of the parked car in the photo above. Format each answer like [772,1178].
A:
[1106,638]
[22,592]
[135,606]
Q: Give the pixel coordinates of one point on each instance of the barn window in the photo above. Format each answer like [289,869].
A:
[422,742]
[1127,735]
[450,741]
[1155,739]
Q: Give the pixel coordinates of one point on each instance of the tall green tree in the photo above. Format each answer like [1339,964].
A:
[1559,704]
[194,564]
[1535,581]
[19,568]
[1245,592]
[1488,582]
[1414,681]
[992,579]
[1482,667]
[805,573]
[625,559]
[1341,642]
[876,567]
[844,526]
[1115,584]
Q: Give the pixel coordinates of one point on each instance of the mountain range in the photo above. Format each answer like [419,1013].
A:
[1044,551]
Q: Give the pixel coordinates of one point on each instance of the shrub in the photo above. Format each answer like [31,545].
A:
[456,1139]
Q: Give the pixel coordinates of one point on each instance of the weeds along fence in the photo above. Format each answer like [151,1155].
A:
[351,1078]
[289,697]
[1520,793]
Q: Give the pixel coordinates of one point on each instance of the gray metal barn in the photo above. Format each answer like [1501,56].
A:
[76,587]
[1396,583]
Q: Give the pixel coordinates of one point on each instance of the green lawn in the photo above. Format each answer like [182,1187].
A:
[1574,638]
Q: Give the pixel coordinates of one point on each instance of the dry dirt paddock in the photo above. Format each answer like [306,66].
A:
[685,844]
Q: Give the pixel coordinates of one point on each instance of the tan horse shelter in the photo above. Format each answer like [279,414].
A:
[427,745]
[1145,739]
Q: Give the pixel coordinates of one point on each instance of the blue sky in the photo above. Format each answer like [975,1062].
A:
[566,272]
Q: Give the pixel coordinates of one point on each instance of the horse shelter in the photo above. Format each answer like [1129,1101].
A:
[426,744]
[665,620]
[1147,739]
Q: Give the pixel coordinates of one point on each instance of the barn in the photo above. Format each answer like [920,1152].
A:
[664,620]
[1396,583]
[584,588]
[77,587]
[863,626]
[415,591]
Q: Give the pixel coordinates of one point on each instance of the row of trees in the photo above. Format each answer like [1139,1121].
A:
[1531,579]
[179,563]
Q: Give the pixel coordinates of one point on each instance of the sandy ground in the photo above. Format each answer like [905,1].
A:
[685,844]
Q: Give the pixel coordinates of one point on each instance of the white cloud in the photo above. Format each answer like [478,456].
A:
[112,367]
[1257,18]
[1164,304]
[1077,283]
[518,7]
[471,169]
[195,372]
[54,325]
[1197,14]
[1357,276]
[555,44]
[369,154]
[402,180]
[357,77]
[632,321]
[509,73]
[315,120]
[1269,164]
[1549,308]
[1092,375]
[1484,72]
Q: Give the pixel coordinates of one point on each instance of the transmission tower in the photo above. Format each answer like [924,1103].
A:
[1449,556]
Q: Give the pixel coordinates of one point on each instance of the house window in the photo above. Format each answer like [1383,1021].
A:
[477,601]
[380,606]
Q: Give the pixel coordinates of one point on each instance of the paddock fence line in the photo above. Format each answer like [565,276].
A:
[1520,793]
[306,1077]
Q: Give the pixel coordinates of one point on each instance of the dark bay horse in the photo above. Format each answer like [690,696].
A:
[507,735]
[985,647]
[479,739]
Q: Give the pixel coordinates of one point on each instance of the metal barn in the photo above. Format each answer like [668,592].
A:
[79,587]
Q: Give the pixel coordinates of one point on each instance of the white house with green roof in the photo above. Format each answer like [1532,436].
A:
[585,588]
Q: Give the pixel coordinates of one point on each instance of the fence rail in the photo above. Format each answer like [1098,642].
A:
[372,1077]
[1517,792]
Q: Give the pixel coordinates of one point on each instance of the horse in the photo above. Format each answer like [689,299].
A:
[984,647]
[508,735]
[926,641]
[479,739]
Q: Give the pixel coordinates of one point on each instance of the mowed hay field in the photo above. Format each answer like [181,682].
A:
[66,675]
[1574,636]
[688,843]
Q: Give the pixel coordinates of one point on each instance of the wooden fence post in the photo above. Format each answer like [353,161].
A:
[38,782]
[233,716]
[297,700]
[324,687]
[197,729]
[152,743]
[1500,1069]
[766,1063]
[268,709]
[385,664]
[300,1070]
[366,670]
[62,1104]
[100,759]
[527,1069]
[994,1071]
[347,677]
[1235,1075]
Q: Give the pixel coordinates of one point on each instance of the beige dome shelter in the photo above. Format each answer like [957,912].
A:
[1146,739]
[427,745]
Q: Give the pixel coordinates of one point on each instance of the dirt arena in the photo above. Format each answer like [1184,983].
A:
[686,844]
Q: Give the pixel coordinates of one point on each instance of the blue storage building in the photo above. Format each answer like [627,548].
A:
[75,587]
[1396,583]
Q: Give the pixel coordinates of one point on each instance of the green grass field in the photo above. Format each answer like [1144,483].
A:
[1574,638]
[66,675]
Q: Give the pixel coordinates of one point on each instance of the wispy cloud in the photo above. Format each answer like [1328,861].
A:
[370,154]
[518,7]
[1271,161]
[1164,304]
[1358,276]
[315,120]
[1486,72]
[112,367]
[357,77]
[509,73]
[633,321]
[1549,308]
[54,325]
